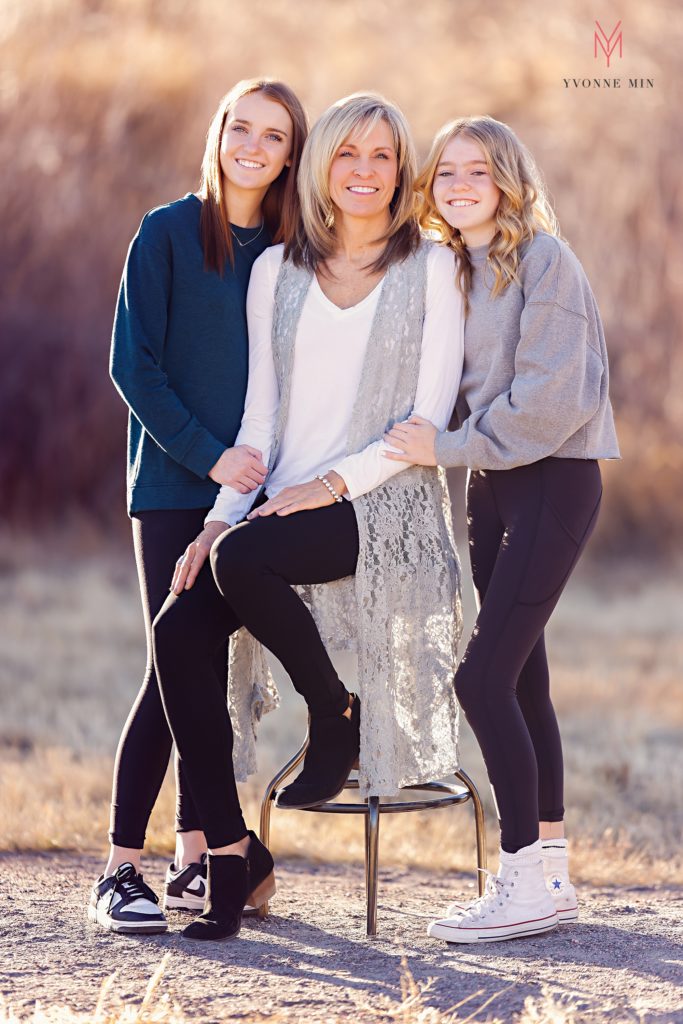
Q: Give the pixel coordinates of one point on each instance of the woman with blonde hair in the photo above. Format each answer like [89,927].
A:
[360,325]
[179,360]
[534,417]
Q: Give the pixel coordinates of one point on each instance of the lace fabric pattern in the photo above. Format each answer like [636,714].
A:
[401,611]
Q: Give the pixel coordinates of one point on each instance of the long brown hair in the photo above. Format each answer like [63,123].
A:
[524,207]
[281,211]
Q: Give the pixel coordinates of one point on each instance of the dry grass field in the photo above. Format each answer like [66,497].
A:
[71,660]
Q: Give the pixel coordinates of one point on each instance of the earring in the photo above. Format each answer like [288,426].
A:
[329,219]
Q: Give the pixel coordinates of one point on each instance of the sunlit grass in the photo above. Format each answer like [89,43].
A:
[71,658]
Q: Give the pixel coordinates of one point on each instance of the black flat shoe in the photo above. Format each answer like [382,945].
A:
[334,745]
[227,890]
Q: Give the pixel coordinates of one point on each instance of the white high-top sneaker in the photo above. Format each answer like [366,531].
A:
[516,902]
[556,872]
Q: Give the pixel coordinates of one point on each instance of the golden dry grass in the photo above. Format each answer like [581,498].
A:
[72,655]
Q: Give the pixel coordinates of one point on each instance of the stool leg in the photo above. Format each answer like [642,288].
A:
[269,796]
[371,862]
[264,832]
[480,827]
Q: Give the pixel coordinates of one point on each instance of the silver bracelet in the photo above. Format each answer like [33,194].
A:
[324,480]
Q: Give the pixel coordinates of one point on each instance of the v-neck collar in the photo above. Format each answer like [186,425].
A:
[348,309]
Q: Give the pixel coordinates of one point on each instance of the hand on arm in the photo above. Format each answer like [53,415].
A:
[241,468]
[190,562]
[414,439]
[312,494]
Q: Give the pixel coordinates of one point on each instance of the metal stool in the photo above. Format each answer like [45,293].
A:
[371,808]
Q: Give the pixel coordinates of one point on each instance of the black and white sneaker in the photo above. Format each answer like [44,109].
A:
[186,888]
[122,902]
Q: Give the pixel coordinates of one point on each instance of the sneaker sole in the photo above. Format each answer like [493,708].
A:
[183,903]
[126,927]
[565,916]
[464,936]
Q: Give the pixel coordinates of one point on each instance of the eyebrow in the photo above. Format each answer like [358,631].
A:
[241,120]
[377,149]
[468,163]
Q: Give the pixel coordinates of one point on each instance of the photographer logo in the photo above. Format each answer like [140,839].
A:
[608,44]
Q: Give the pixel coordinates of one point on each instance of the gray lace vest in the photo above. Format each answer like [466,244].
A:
[401,610]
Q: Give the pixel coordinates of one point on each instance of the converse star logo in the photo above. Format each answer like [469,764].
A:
[557,883]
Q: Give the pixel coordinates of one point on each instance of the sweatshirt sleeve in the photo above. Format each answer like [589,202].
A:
[554,392]
[136,361]
[263,395]
[441,361]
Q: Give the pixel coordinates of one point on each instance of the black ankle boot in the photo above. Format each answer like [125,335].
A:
[227,888]
[334,744]
[261,873]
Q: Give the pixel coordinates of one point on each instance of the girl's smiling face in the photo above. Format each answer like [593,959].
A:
[464,192]
[256,142]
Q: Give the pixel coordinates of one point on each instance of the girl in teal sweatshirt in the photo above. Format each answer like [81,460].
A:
[179,360]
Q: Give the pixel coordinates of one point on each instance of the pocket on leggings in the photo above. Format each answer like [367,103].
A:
[554,554]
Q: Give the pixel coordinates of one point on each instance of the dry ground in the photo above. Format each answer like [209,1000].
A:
[310,961]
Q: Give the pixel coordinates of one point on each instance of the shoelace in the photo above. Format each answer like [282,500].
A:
[495,892]
[135,889]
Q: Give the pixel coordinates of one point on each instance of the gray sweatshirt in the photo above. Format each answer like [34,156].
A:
[535,379]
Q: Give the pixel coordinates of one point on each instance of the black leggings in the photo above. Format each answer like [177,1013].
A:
[159,538]
[248,583]
[527,529]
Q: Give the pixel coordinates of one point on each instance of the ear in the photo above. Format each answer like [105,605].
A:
[288,163]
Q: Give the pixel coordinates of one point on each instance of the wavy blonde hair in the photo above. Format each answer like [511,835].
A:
[360,112]
[523,210]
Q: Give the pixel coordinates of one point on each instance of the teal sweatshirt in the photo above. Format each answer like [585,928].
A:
[179,357]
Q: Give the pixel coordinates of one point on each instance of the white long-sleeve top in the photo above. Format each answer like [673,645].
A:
[328,361]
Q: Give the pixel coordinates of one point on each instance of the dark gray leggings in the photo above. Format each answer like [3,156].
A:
[527,528]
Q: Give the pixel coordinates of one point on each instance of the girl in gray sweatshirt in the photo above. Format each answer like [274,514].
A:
[533,417]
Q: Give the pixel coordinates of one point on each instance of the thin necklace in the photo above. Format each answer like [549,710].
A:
[249,240]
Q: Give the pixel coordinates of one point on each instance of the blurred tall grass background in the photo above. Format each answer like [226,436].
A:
[104,106]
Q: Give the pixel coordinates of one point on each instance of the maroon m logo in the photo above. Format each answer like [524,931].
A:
[608,44]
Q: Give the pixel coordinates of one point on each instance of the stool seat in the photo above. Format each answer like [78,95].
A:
[441,794]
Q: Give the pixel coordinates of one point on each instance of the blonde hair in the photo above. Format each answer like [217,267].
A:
[316,241]
[280,206]
[523,210]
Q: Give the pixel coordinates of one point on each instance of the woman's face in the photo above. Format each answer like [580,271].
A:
[364,172]
[464,193]
[256,142]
